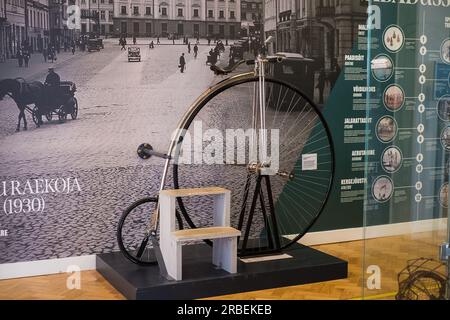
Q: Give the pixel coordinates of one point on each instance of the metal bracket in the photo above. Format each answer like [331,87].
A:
[444,252]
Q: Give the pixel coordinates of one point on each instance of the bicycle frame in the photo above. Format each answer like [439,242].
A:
[259,70]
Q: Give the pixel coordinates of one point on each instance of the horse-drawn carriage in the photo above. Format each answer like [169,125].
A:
[61,102]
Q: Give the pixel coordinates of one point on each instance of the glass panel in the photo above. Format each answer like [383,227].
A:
[408,150]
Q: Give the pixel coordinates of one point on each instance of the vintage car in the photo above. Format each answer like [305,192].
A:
[296,70]
[93,45]
[134,54]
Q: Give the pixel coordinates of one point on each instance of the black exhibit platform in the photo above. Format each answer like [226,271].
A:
[202,279]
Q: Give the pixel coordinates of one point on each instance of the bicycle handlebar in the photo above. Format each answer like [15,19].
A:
[224,71]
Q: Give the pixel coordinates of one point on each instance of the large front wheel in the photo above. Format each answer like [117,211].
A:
[276,198]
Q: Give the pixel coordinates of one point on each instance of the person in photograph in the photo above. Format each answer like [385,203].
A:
[157,40]
[20,58]
[189,47]
[26,57]
[195,51]
[182,63]
[321,84]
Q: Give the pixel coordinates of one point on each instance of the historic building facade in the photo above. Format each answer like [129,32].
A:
[59,32]
[38,30]
[14,26]
[323,30]
[105,10]
[251,16]
[3,23]
[177,17]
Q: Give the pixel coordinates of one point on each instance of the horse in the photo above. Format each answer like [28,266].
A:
[24,94]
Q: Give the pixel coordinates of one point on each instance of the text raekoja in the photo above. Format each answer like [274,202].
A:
[39,186]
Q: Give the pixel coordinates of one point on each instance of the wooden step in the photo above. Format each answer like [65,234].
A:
[205,233]
[194,192]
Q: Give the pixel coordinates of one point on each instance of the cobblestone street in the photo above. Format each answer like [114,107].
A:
[121,105]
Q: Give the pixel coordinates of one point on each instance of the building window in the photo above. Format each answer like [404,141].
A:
[253,5]
[94,1]
[148,12]
[243,16]
[102,1]
[164,28]
[195,13]
[123,10]
[83,1]
[249,5]
[180,12]
[221,16]
[148,29]
[110,15]
[164,12]
[210,14]
[102,15]
[232,15]
[111,1]
[136,10]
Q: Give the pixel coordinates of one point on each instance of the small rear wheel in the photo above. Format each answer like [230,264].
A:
[132,232]
[132,236]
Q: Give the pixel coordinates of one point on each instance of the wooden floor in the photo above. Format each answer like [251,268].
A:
[390,254]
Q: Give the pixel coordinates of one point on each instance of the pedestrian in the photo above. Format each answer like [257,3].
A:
[182,63]
[157,40]
[195,51]
[26,57]
[20,58]
[173,39]
[134,39]
[151,45]
[52,54]
[209,41]
[73,48]
[124,43]
[189,47]
[45,54]
[321,84]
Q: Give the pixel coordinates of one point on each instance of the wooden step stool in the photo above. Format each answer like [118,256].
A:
[223,236]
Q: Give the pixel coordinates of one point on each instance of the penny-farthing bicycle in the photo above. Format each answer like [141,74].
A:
[259,137]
